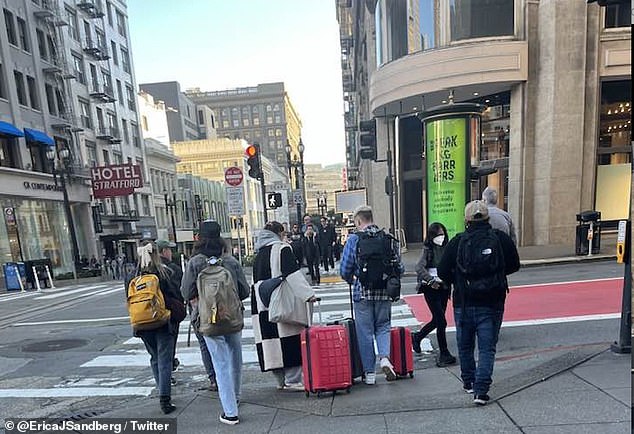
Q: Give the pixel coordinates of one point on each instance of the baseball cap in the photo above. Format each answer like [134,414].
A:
[164,244]
[476,211]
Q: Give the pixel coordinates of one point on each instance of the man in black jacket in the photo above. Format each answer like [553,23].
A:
[477,262]
[327,237]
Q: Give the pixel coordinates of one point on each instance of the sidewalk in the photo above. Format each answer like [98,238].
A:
[580,390]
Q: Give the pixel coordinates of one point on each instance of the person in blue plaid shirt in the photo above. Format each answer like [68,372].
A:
[372,307]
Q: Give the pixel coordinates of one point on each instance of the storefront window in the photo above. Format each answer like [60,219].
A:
[8,152]
[481,18]
[615,134]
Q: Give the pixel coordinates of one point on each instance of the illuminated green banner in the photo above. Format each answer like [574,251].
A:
[446,146]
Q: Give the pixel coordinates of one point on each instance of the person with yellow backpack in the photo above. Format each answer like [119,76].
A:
[150,292]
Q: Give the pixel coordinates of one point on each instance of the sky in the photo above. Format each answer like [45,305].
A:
[222,44]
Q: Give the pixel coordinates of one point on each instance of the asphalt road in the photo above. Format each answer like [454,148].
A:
[35,329]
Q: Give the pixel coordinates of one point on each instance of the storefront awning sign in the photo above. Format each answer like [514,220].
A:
[118,180]
[37,136]
[7,129]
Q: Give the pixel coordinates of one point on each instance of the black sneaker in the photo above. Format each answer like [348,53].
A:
[445,359]
[416,340]
[467,387]
[173,381]
[481,399]
[229,420]
[175,364]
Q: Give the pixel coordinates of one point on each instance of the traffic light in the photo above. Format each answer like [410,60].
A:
[274,200]
[367,139]
[253,160]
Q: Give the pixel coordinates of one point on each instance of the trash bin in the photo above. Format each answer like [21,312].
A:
[13,273]
[586,220]
[40,272]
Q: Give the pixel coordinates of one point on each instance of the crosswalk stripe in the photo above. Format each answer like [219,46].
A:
[335,307]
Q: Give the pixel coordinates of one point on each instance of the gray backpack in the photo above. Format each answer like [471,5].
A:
[219,305]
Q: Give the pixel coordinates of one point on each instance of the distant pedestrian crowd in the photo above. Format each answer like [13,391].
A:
[470,268]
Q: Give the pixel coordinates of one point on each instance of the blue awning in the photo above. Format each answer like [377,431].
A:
[7,129]
[38,137]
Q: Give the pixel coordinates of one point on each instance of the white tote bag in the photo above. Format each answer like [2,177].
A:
[288,301]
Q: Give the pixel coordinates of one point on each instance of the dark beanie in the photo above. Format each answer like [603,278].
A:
[209,229]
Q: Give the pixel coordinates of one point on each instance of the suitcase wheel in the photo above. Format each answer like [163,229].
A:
[411,374]
[348,390]
[318,395]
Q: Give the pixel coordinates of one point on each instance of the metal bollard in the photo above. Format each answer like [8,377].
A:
[37,279]
[590,237]
[50,278]
[17,271]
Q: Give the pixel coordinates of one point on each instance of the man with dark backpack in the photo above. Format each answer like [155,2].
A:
[477,262]
[370,263]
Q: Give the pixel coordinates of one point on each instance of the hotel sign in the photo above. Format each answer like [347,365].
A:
[118,180]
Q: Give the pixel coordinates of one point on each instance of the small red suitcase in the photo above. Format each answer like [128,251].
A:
[326,359]
[401,351]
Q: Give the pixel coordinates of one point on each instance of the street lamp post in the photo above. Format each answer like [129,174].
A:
[171,206]
[61,171]
[298,165]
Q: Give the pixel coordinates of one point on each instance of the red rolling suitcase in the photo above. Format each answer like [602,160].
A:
[401,351]
[326,359]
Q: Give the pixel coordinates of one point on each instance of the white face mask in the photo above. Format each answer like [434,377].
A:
[438,240]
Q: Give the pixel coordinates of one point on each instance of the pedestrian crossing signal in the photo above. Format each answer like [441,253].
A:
[274,200]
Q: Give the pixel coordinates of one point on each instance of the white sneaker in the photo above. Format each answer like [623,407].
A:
[294,387]
[370,378]
[388,369]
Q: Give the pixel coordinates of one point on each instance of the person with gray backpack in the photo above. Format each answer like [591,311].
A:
[215,286]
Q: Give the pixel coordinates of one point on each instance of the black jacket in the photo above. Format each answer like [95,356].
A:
[310,247]
[327,236]
[448,271]
[176,276]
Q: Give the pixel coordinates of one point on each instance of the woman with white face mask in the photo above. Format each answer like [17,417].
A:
[436,292]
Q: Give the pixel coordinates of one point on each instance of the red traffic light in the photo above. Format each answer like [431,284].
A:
[251,151]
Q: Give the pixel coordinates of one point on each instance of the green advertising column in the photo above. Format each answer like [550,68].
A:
[451,133]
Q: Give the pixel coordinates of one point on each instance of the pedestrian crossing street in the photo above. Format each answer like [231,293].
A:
[335,305]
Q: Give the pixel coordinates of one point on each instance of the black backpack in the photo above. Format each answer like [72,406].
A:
[480,264]
[378,262]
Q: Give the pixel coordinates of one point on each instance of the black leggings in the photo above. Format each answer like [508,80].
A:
[437,301]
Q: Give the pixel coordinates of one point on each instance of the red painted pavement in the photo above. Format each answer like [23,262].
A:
[543,301]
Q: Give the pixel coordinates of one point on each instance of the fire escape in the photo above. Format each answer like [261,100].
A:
[101,91]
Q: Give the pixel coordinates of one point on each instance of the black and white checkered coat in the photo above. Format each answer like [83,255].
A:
[278,345]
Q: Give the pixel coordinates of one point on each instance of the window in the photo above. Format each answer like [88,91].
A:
[268,107]
[144,123]
[73,26]
[618,14]
[112,124]
[145,202]
[107,82]
[246,122]
[33,95]
[236,123]
[23,35]
[41,44]
[91,153]
[201,117]
[225,113]
[130,92]
[126,133]
[115,55]
[120,23]
[256,121]
[52,51]
[9,152]
[125,60]
[101,39]
[481,18]
[269,119]
[276,108]
[80,72]
[278,119]
[109,12]
[94,81]
[225,124]
[106,157]
[8,20]
[19,84]
[271,133]
[3,88]
[100,123]
[135,134]
[50,99]
[118,159]
[87,32]
[255,109]
[120,92]
[278,132]
[61,105]
[84,110]
[615,136]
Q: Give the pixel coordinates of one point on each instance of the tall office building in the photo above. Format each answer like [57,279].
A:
[186,120]
[554,77]
[67,91]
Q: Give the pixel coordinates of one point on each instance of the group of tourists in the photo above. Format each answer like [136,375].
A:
[475,263]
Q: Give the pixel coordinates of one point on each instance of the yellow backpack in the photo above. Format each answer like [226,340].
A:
[146,304]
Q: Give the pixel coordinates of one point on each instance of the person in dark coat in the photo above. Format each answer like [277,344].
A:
[296,244]
[327,237]
[159,342]
[310,247]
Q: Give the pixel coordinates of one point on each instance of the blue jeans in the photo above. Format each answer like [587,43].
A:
[483,323]
[226,354]
[204,353]
[373,321]
[160,344]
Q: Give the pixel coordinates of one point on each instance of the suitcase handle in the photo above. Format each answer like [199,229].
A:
[310,310]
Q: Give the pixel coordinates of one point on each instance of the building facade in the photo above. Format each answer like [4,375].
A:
[322,181]
[554,79]
[186,120]
[67,82]
[208,159]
